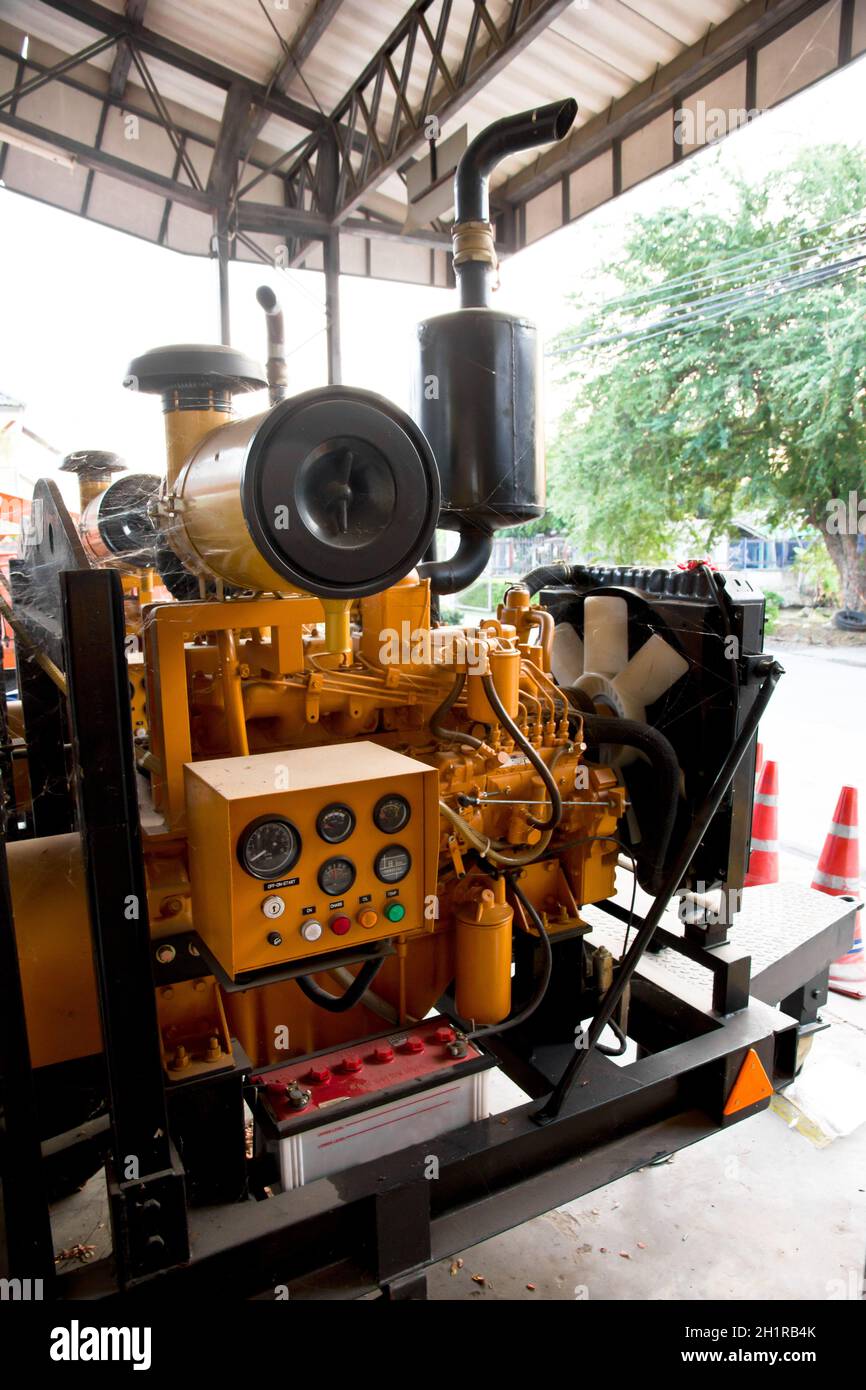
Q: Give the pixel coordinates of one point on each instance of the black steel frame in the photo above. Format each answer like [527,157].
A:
[379,1226]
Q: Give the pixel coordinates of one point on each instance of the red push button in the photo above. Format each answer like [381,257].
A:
[318,1075]
[412,1045]
[443,1036]
[383,1054]
[340,925]
[349,1065]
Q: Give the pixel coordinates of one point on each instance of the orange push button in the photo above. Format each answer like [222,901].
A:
[368,918]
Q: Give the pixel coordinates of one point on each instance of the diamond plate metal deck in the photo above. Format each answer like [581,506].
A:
[790,933]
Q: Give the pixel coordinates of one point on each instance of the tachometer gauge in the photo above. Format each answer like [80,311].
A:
[269,847]
[391,813]
[335,823]
[392,864]
[336,876]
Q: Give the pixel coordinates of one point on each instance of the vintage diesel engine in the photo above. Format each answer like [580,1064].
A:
[299,864]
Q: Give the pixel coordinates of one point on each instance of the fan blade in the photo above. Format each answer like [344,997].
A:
[566,658]
[649,674]
[605,634]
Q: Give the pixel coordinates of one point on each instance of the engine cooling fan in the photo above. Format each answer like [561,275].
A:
[600,667]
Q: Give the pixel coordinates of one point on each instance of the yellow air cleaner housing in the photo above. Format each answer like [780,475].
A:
[333,492]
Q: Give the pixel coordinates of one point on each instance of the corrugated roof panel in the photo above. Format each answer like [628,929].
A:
[62,108]
[594,50]
[188,230]
[128,209]
[41,22]
[144,143]
[238,35]
[685,20]
[37,178]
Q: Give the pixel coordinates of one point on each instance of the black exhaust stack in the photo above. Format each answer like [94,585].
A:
[476,386]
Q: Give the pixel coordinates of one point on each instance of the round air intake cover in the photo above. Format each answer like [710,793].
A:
[336,490]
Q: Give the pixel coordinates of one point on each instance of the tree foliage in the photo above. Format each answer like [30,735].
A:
[728,374]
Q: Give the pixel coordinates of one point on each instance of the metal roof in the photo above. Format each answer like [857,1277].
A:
[285,127]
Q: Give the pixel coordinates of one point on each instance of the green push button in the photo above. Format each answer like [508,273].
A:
[395,912]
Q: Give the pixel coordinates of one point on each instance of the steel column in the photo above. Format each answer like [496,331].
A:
[332,306]
[146,1182]
[221,242]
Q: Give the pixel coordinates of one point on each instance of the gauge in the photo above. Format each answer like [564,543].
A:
[336,876]
[391,813]
[335,823]
[392,863]
[269,847]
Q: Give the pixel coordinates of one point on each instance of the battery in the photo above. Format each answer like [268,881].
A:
[330,1111]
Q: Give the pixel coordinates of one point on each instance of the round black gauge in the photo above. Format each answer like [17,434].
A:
[391,813]
[269,847]
[392,863]
[336,876]
[335,823]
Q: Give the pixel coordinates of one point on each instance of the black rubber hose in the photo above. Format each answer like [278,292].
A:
[621,1043]
[553,575]
[341,1003]
[651,853]
[467,562]
[769,672]
[452,735]
[534,757]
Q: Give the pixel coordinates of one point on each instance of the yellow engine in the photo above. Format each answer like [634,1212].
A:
[347,807]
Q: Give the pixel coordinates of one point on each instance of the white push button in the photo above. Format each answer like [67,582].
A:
[311,931]
[273,906]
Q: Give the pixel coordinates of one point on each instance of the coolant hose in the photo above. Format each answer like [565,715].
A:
[554,576]
[526,747]
[652,851]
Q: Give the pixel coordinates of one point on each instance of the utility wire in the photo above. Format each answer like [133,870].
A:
[720,308]
[693,292]
[744,260]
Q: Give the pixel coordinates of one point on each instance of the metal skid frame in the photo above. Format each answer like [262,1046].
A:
[376,1228]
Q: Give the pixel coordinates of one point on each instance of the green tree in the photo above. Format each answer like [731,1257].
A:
[728,373]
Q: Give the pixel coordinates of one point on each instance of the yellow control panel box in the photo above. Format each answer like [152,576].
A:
[309,851]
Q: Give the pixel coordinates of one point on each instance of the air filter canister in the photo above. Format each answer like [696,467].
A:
[334,492]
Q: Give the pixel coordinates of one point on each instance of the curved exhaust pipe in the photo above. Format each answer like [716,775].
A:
[466,564]
[277,374]
[474,256]
[471,476]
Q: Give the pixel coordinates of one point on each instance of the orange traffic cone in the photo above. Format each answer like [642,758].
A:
[759,761]
[838,873]
[764,859]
